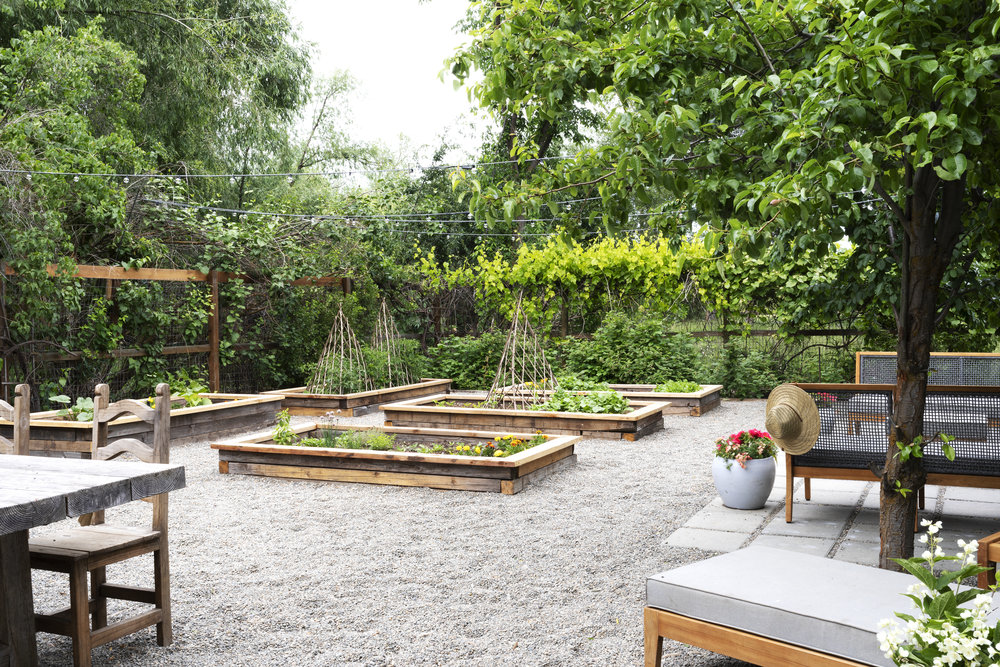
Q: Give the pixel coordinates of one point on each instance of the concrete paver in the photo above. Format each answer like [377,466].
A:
[971,508]
[708,540]
[809,545]
[841,520]
[856,551]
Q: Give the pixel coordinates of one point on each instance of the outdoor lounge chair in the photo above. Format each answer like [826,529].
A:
[774,608]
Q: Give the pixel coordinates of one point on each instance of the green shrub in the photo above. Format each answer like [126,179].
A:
[470,362]
[633,350]
[745,375]
[837,366]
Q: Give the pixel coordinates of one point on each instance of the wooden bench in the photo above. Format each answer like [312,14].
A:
[775,608]
[854,422]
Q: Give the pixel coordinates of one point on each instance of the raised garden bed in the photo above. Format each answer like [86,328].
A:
[228,413]
[259,455]
[462,411]
[694,403]
[298,402]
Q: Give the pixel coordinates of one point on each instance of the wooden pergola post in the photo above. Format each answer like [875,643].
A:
[214,374]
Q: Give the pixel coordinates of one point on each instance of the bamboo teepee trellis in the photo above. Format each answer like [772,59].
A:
[524,373]
[386,340]
[341,367]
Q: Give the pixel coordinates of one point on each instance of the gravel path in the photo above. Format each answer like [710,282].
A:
[288,572]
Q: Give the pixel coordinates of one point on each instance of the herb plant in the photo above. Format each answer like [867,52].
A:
[283,433]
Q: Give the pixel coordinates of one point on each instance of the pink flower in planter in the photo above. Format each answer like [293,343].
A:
[746,445]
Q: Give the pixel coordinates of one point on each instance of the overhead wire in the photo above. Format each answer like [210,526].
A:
[421,218]
[467,166]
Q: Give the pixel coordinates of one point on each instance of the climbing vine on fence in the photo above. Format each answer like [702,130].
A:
[565,276]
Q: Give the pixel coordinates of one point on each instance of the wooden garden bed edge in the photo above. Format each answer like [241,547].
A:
[253,443]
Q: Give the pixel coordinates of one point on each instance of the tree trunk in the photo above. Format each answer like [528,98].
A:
[932,224]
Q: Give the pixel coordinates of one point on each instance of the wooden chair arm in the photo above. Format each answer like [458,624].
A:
[989,556]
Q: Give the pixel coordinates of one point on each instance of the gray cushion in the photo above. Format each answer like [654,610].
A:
[818,603]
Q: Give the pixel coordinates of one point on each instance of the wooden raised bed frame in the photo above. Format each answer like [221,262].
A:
[645,418]
[234,413]
[298,402]
[695,403]
[257,455]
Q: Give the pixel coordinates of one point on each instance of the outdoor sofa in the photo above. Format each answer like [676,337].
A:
[775,608]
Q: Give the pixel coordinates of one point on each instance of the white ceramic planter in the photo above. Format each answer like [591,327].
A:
[743,488]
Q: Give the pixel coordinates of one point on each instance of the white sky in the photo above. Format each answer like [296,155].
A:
[396,50]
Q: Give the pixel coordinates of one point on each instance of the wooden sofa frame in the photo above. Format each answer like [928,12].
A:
[756,649]
[989,556]
[794,469]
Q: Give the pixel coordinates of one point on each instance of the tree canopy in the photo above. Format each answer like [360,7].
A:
[781,128]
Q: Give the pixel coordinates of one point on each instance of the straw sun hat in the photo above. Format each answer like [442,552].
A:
[792,419]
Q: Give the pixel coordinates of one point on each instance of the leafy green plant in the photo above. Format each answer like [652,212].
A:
[577,383]
[596,402]
[915,448]
[677,387]
[81,411]
[283,433]
[952,625]
[187,387]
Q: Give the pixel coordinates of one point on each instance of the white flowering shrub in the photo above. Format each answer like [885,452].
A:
[950,627]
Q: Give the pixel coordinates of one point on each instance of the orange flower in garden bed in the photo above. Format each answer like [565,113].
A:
[502,446]
[746,445]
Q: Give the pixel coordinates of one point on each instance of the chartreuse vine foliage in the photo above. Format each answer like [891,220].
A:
[565,274]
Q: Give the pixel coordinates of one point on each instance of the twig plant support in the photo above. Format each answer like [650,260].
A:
[524,371]
[341,383]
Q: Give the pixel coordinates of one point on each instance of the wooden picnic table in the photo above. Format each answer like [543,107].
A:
[35,491]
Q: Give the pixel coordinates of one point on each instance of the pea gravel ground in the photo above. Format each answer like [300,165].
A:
[288,572]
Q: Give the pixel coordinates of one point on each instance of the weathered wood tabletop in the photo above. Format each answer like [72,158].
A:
[35,491]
